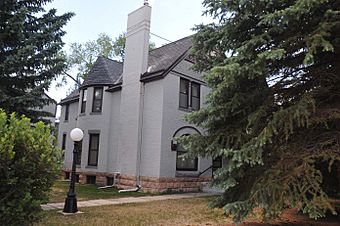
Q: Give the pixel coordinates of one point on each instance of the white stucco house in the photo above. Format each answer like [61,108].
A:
[131,111]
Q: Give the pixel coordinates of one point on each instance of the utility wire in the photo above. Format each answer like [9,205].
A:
[160,37]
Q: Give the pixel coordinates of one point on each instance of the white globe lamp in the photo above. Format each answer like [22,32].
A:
[76,134]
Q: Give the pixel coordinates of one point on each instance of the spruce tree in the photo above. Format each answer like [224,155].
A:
[273,112]
[30,40]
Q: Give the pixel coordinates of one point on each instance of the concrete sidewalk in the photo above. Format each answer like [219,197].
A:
[118,201]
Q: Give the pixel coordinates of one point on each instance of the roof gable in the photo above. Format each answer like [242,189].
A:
[163,58]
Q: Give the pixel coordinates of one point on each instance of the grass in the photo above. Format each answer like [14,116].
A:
[87,192]
[170,212]
[187,212]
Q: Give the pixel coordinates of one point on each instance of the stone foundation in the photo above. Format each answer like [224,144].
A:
[149,184]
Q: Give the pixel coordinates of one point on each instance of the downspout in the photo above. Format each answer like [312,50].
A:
[140,127]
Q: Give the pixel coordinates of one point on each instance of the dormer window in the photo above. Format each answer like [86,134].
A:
[97,99]
[83,101]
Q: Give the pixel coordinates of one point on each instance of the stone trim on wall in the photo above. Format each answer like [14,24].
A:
[148,184]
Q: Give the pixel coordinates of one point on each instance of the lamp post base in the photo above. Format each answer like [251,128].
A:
[70,204]
[69,214]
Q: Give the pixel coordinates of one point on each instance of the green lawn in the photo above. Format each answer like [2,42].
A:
[170,212]
[187,212]
[87,192]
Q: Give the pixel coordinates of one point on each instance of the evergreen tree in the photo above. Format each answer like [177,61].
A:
[30,39]
[274,107]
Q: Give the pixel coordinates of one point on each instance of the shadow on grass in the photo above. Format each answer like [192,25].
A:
[88,192]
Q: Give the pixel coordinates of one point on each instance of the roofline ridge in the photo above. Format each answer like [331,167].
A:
[171,43]
[106,58]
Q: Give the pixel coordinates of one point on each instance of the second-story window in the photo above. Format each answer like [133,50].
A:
[184,93]
[83,101]
[67,111]
[195,96]
[189,89]
[97,99]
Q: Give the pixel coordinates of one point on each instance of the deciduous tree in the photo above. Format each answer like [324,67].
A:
[29,164]
[83,56]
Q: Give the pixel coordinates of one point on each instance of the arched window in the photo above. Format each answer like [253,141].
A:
[184,162]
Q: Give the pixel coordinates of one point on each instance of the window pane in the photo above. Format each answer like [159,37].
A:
[67,110]
[185,163]
[195,90]
[83,102]
[93,149]
[94,142]
[97,105]
[183,100]
[184,86]
[84,94]
[63,145]
[83,106]
[195,103]
[98,93]
[97,100]
[93,158]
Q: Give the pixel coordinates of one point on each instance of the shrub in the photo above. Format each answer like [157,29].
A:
[29,164]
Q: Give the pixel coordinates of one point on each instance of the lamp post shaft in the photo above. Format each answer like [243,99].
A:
[71,199]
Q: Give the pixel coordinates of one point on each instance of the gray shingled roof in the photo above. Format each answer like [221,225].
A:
[104,72]
[164,57]
[108,72]
[74,95]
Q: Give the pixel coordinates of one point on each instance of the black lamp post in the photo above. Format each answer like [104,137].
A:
[71,199]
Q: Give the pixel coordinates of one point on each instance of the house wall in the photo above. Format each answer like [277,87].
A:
[100,123]
[152,129]
[65,127]
[113,160]
[173,119]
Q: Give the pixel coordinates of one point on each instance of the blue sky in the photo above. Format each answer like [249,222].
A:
[171,19]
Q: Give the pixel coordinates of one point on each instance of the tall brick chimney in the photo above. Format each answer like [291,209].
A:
[135,64]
